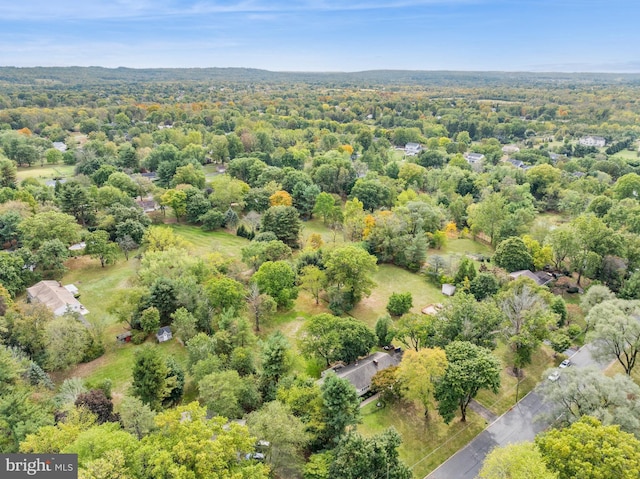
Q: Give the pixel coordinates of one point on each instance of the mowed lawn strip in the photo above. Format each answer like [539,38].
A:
[44,173]
[426,443]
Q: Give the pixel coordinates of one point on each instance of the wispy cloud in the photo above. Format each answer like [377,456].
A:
[136,9]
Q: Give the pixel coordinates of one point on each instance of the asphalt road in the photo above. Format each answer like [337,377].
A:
[516,425]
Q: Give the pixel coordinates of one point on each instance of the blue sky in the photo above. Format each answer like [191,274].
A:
[325,35]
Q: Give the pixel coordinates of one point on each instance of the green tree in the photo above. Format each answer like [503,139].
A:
[331,338]
[325,202]
[512,255]
[415,330]
[464,319]
[50,258]
[385,332]
[470,368]
[349,269]
[515,461]
[189,175]
[284,222]
[488,216]
[340,407]
[466,271]
[60,333]
[150,377]
[312,279]
[150,320]
[627,186]
[399,303]
[275,363]
[177,200]
[374,457]
[225,293]
[527,319]
[184,324]
[187,445]
[12,273]
[589,449]
[277,279]
[8,173]
[615,332]
[226,394]
[419,372]
[136,416]
[49,225]
[285,433]
[485,285]
[586,391]
[99,247]
[261,306]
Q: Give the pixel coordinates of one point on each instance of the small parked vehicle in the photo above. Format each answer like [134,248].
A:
[566,363]
[554,376]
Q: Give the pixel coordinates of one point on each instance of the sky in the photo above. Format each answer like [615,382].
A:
[325,35]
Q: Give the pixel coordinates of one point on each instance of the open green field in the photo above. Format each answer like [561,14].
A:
[203,242]
[626,154]
[393,279]
[44,173]
[426,443]
[316,225]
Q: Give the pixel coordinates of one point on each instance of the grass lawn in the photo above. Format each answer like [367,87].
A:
[317,226]
[96,285]
[392,279]
[46,172]
[626,155]
[461,246]
[506,397]
[203,242]
[425,443]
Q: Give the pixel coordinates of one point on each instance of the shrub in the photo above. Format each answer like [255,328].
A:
[400,303]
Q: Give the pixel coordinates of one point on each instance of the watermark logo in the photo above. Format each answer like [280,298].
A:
[42,466]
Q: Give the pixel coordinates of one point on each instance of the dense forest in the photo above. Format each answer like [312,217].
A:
[277,225]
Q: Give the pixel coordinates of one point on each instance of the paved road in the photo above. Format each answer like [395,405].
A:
[516,425]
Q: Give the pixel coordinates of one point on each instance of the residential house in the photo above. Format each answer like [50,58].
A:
[474,158]
[55,297]
[360,373]
[518,164]
[596,141]
[164,334]
[541,278]
[412,149]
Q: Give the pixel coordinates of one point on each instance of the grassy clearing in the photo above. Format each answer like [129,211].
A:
[317,226]
[506,397]
[392,279]
[425,443]
[626,155]
[461,246]
[44,173]
[204,242]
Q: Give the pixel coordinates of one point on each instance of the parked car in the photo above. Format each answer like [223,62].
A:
[566,363]
[554,376]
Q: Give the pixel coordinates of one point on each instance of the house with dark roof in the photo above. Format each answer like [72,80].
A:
[360,373]
[541,278]
[164,334]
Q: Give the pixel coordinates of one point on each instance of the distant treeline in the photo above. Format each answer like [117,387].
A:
[92,75]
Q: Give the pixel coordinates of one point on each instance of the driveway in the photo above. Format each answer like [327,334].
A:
[516,425]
